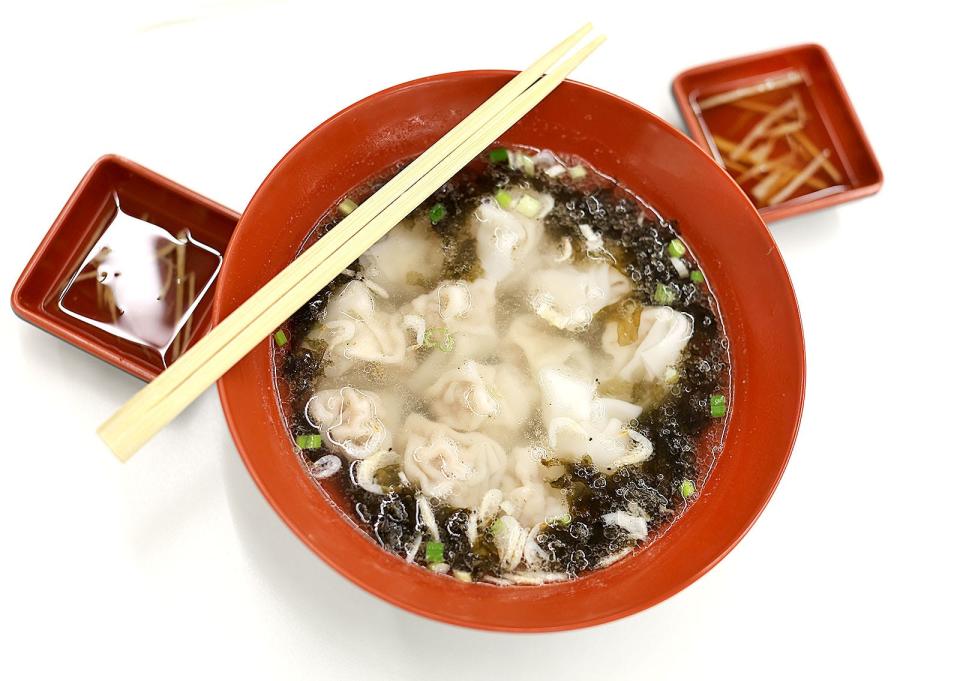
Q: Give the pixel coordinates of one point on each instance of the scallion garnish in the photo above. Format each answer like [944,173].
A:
[438,213]
[526,165]
[498,155]
[663,295]
[434,552]
[503,198]
[529,206]
[697,277]
[439,337]
[687,489]
[280,337]
[347,206]
[309,441]
[676,249]
[577,172]
[718,406]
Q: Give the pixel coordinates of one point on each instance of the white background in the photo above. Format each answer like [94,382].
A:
[173,566]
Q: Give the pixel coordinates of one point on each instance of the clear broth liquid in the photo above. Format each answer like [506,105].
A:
[686,437]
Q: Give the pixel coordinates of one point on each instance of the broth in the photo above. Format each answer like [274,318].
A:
[515,405]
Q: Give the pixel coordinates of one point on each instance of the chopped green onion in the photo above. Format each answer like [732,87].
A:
[309,441]
[434,552]
[498,155]
[280,337]
[663,295]
[448,342]
[718,406]
[687,489]
[697,277]
[503,198]
[577,172]
[497,526]
[463,575]
[347,206]
[433,339]
[676,249]
[670,376]
[438,213]
[526,165]
[529,206]
[564,519]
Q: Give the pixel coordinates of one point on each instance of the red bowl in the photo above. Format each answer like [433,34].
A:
[651,158]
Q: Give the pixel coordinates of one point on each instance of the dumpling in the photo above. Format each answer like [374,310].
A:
[662,334]
[348,420]
[567,296]
[609,446]
[529,342]
[354,330]
[529,497]
[405,262]
[565,394]
[459,318]
[467,310]
[456,468]
[474,396]
[505,236]
[579,423]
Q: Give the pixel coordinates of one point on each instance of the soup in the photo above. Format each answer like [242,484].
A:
[523,381]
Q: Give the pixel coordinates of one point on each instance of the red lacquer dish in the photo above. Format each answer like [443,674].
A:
[128,268]
[782,125]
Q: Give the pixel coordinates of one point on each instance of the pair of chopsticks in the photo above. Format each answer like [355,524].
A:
[223,346]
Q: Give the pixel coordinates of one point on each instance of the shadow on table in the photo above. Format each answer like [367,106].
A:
[811,231]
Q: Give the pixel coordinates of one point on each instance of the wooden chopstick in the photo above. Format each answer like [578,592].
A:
[160,401]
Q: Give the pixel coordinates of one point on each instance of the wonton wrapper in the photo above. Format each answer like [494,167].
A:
[405,261]
[567,296]
[453,467]
[507,239]
[662,335]
[475,396]
[579,423]
[528,495]
[349,421]
[355,330]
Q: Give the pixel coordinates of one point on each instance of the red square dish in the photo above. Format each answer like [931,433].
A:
[100,234]
[829,118]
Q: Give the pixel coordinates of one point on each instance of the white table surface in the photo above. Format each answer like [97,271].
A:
[173,565]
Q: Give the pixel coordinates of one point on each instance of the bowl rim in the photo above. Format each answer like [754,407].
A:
[628,608]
